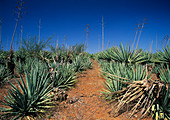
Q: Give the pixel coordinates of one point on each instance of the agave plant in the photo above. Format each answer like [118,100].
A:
[66,54]
[125,55]
[163,56]
[21,55]
[61,54]
[104,55]
[117,73]
[3,56]
[161,108]
[64,76]
[148,57]
[165,74]
[77,49]
[34,63]
[165,104]
[29,64]
[141,92]
[86,62]
[45,56]
[5,74]
[81,62]
[19,67]
[30,97]
[78,64]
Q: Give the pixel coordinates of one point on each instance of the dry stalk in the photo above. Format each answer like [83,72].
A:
[143,93]
[140,95]
[117,77]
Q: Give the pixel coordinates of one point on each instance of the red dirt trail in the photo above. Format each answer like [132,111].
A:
[85,101]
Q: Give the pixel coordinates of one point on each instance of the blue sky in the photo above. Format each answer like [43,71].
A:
[70,17]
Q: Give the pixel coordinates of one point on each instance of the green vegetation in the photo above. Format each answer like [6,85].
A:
[117,73]
[43,72]
[129,81]
[31,97]
[124,55]
[163,56]
[161,108]
[128,75]
[4,74]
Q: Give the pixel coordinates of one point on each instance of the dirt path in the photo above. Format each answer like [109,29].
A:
[84,101]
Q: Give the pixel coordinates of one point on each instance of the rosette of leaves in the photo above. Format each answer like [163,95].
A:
[104,55]
[3,56]
[81,63]
[61,54]
[148,57]
[124,55]
[5,74]
[87,63]
[45,56]
[64,76]
[19,67]
[35,63]
[116,74]
[78,64]
[77,49]
[30,96]
[21,55]
[163,56]
[140,93]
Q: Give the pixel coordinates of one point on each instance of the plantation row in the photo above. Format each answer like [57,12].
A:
[131,83]
[43,75]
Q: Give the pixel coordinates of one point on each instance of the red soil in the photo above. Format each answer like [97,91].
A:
[85,102]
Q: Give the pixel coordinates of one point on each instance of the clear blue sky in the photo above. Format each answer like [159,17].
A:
[70,17]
